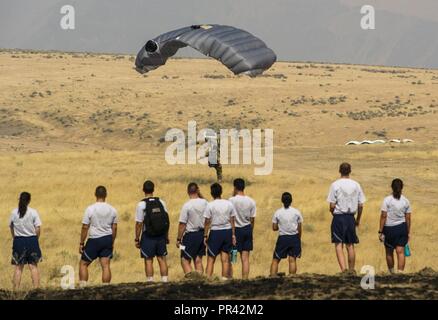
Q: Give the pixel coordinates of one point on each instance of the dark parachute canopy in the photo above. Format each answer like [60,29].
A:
[238,50]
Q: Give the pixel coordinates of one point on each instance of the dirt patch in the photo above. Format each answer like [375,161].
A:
[422,285]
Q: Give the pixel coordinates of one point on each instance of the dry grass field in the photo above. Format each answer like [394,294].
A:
[69,122]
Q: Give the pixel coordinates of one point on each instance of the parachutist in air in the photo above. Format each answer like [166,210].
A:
[249,56]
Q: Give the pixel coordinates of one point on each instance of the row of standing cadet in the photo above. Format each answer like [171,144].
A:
[217,228]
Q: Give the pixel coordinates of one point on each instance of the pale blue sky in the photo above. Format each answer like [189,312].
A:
[298,30]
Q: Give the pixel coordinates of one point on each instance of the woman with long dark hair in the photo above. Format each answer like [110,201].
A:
[25,225]
[395,225]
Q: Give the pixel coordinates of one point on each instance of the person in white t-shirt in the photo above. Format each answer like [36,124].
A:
[288,222]
[346,199]
[190,239]
[100,225]
[395,225]
[152,232]
[25,225]
[220,218]
[245,218]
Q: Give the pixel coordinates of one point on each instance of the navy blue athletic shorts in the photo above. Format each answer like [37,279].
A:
[244,238]
[153,246]
[98,248]
[26,250]
[343,229]
[194,245]
[287,245]
[219,241]
[396,236]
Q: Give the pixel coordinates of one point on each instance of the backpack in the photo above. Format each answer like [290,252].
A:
[156,219]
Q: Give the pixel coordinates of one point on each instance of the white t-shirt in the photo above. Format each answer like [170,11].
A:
[100,217]
[396,210]
[287,220]
[140,211]
[220,212]
[192,214]
[347,194]
[245,210]
[25,227]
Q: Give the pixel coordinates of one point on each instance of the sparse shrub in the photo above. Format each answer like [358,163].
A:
[214,76]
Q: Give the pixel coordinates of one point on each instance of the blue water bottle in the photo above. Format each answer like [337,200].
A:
[234,255]
[407,251]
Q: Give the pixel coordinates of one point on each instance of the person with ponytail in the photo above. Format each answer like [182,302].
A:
[288,222]
[190,238]
[25,225]
[395,225]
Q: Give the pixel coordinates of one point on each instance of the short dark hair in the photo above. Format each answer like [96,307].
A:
[148,186]
[100,192]
[286,199]
[345,169]
[216,190]
[192,188]
[239,184]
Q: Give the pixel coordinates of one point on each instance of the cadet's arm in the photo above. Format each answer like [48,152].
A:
[359,213]
[84,232]
[383,216]
[138,228]
[233,228]
[275,226]
[38,231]
[332,207]
[114,229]
[207,224]
[408,223]
[252,223]
[12,231]
[300,229]
[181,230]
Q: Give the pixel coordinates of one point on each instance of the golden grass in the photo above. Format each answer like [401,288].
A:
[62,185]
[60,106]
